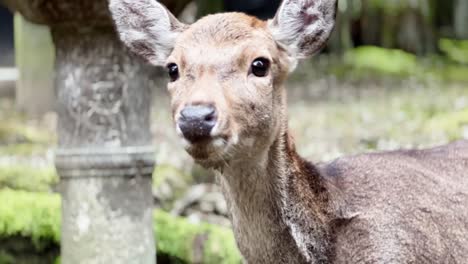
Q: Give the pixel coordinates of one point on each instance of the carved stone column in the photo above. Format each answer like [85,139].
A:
[104,157]
[104,161]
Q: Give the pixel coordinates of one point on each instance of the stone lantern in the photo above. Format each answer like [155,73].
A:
[104,158]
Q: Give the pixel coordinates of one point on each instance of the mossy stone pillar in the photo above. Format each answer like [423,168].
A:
[104,156]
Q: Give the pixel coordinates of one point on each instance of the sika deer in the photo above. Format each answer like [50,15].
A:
[229,106]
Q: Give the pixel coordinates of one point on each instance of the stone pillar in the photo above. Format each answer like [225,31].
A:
[104,156]
[105,164]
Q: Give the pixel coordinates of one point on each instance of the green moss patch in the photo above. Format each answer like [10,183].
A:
[36,218]
[201,243]
[33,215]
[376,63]
[385,61]
[456,50]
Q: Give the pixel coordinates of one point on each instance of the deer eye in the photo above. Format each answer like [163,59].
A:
[173,71]
[260,67]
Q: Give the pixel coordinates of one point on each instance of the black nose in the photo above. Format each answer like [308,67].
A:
[197,121]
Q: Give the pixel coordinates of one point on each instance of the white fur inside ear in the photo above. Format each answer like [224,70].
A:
[303,25]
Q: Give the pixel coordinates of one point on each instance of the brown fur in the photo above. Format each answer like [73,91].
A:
[376,208]
[400,207]
[395,207]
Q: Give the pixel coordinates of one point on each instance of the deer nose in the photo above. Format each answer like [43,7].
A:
[197,121]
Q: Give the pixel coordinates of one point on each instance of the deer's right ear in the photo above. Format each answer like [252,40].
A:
[146,27]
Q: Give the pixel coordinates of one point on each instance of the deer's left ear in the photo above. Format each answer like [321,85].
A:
[304,26]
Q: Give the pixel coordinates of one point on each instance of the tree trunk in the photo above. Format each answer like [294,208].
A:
[371,23]
[461,19]
[341,39]
[415,33]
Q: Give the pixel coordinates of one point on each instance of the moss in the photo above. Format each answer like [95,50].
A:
[216,245]
[29,178]
[456,50]
[201,243]
[386,61]
[36,216]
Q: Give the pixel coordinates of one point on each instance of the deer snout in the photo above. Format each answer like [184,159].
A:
[197,121]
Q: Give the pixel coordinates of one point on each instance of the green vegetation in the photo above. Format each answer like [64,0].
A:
[36,218]
[184,241]
[383,61]
[450,122]
[33,215]
[376,63]
[28,178]
[390,7]
[456,50]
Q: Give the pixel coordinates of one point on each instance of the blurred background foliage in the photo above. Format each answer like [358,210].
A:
[394,75]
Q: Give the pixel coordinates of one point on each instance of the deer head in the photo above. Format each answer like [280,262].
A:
[226,70]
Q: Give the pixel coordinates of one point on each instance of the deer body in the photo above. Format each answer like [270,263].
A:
[396,207]
[229,106]
[403,206]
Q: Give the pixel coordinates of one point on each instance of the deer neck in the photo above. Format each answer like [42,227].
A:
[267,198]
